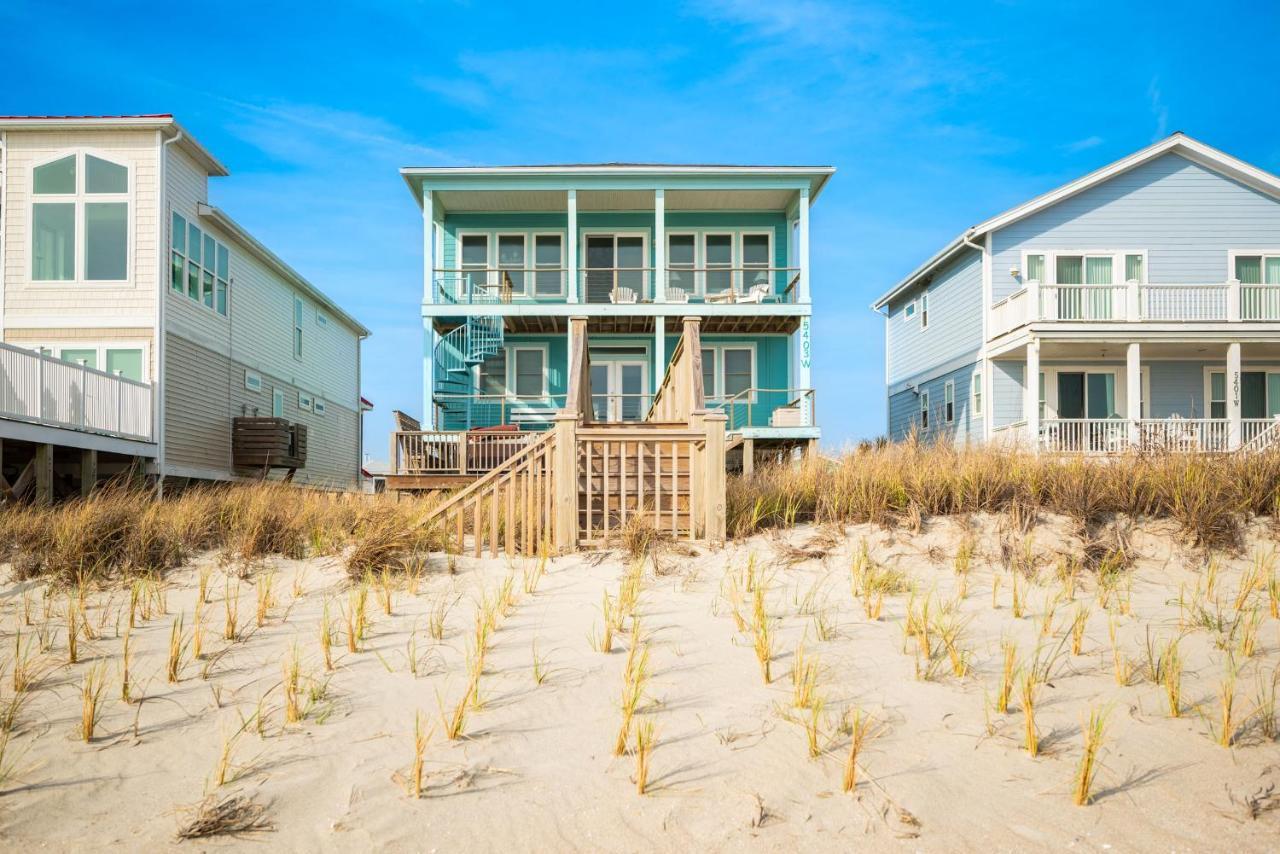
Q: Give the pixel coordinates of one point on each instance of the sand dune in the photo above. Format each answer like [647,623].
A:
[535,768]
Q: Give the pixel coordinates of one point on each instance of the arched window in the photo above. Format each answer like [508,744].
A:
[80,220]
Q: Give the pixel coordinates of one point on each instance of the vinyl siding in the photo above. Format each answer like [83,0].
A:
[43,303]
[1006,392]
[205,390]
[1186,216]
[955,321]
[904,409]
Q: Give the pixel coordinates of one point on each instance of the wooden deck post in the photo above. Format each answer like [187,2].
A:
[698,477]
[713,498]
[748,457]
[565,482]
[44,474]
[88,472]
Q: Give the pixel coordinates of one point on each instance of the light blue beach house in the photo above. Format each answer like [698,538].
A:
[512,254]
[1136,307]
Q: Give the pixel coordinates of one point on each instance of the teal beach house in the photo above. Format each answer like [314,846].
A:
[1137,307]
[511,254]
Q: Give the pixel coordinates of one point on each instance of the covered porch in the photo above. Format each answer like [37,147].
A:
[1073,396]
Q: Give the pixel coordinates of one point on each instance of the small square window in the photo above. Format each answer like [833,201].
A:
[304,401]
[319,406]
[252,381]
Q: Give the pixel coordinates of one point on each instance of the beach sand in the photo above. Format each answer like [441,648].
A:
[535,770]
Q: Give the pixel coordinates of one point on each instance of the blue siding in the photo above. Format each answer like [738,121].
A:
[904,409]
[1006,392]
[1177,388]
[955,321]
[1186,216]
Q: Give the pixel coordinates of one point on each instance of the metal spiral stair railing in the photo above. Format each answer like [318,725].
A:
[456,353]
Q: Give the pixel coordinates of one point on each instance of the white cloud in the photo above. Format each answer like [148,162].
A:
[1083,144]
[1159,111]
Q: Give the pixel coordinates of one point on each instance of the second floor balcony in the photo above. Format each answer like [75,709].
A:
[1136,302]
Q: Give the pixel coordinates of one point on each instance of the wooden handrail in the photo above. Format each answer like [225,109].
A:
[547,439]
[681,393]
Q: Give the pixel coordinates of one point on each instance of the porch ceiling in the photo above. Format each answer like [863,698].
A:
[614,200]
[1190,350]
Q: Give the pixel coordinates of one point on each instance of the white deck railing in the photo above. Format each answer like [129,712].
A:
[44,390]
[1219,302]
[1154,435]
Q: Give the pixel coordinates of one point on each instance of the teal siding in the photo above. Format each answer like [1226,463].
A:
[955,321]
[1186,216]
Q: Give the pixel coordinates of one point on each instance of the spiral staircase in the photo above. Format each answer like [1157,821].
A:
[456,354]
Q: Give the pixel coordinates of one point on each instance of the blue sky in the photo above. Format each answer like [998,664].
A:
[937,115]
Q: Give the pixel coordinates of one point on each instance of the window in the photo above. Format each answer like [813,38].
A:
[493,374]
[682,262]
[737,371]
[924,311]
[530,374]
[252,381]
[1258,269]
[1035,268]
[719,262]
[1042,406]
[73,196]
[297,327]
[1217,394]
[277,403]
[548,260]
[200,265]
[1084,269]
[321,319]
[127,362]
[910,310]
[305,401]
[709,373]
[475,260]
[755,260]
[511,262]
[320,407]
[924,409]
[949,401]
[975,389]
[1133,268]
[78,356]
[124,362]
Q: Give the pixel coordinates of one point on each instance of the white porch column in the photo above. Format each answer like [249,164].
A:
[659,351]
[428,248]
[802,287]
[1233,395]
[659,245]
[1133,389]
[571,248]
[428,374]
[804,371]
[1031,394]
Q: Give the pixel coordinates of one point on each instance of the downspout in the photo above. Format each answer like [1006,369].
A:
[984,378]
[164,248]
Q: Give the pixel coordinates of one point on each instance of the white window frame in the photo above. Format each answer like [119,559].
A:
[297,315]
[100,348]
[1264,254]
[733,259]
[646,268]
[1117,264]
[742,254]
[306,402]
[512,350]
[79,198]
[185,255]
[252,380]
[490,251]
[495,255]
[694,286]
[532,249]
[910,310]
[924,310]
[277,396]
[975,394]
[1245,368]
[949,402]
[924,410]
[321,319]
[320,407]
[1050,375]
[719,349]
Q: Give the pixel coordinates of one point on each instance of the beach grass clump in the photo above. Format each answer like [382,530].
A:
[1094,732]
[859,733]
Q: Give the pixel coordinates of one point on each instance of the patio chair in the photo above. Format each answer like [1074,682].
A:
[677,295]
[755,294]
[623,296]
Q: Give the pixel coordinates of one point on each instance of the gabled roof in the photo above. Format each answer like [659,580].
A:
[274,261]
[160,121]
[1176,143]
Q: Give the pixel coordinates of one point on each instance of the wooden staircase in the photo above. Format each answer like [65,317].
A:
[583,482]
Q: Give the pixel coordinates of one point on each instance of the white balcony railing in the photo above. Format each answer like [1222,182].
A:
[44,390]
[1134,302]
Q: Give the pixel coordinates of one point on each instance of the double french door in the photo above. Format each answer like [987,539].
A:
[619,391]
[614,268]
